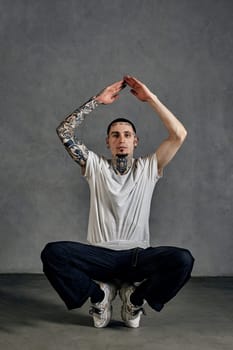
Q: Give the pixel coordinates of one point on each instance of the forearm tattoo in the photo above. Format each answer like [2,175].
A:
[66,131]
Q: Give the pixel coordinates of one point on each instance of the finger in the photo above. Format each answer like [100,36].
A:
[115,89]
[129,83]
[115,97]
[132,80]
[123,85]
[133,92]
[128,79]
[118,84]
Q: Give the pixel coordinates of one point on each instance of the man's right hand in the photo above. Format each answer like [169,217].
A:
[111,93]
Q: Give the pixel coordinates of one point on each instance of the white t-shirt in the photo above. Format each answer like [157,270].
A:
[120,204]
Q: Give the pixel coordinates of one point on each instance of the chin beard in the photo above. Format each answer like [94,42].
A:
[122,155]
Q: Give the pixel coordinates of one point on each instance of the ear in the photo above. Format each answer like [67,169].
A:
[107,142]
[136,140]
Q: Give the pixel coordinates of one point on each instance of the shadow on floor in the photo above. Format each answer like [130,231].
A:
[32,316]
[22,305]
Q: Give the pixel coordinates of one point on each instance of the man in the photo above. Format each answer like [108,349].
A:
[118,254]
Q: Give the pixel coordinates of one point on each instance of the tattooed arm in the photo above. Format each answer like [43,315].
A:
[66,130]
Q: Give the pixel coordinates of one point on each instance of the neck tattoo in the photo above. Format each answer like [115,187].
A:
[122,163]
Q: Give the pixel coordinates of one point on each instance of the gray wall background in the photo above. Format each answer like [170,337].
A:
[54,56]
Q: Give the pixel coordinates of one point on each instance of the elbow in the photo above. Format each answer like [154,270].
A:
[184,135]
[181,136]
[178,136]
[58,131]
[58,128]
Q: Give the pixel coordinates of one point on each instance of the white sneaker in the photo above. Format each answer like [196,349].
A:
[131,314]
[102,311]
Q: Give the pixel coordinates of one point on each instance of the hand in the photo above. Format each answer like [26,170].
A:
[111,92]
[138,88]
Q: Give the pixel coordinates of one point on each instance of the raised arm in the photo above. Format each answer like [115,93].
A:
[66,130]
[176,131]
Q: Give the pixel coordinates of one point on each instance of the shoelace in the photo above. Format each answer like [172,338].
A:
[136,311]
[95,310]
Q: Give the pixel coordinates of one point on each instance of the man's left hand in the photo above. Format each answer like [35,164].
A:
[138,89]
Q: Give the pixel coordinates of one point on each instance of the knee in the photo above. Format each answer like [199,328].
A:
[186,259]
[45,253]
[50,251]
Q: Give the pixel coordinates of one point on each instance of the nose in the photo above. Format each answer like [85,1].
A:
[122,138]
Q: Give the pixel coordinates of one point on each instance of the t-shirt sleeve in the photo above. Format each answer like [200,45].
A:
[152,165]
[92,164]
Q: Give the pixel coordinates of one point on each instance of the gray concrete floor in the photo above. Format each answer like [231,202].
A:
[33,317]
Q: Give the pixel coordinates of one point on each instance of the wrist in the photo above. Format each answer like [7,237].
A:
[97,100]
[153,99]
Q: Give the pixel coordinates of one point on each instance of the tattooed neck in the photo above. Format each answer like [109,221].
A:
[122,163]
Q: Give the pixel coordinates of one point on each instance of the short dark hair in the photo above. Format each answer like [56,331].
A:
[118,120]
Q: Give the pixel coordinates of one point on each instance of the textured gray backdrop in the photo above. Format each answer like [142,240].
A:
[54,56]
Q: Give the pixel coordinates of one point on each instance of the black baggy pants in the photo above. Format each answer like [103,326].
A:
[72,268]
